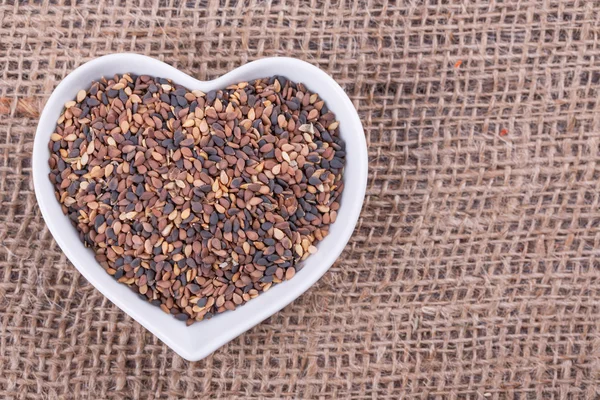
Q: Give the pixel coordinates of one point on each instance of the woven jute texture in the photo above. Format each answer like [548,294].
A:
[473,271]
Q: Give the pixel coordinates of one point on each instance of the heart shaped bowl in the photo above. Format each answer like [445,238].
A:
[199,340]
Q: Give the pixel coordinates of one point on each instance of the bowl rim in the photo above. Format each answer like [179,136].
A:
[360,159]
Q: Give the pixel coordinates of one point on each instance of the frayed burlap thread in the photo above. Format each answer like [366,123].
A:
[473,271]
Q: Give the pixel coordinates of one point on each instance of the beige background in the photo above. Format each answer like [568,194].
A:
[473,272]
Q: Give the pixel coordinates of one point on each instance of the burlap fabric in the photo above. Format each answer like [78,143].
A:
[473,272]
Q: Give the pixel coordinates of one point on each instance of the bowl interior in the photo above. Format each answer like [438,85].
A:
[199,340]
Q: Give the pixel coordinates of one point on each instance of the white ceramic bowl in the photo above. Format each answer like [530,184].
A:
[199,340]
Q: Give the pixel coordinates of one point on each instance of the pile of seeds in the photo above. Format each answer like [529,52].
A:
[198,201]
